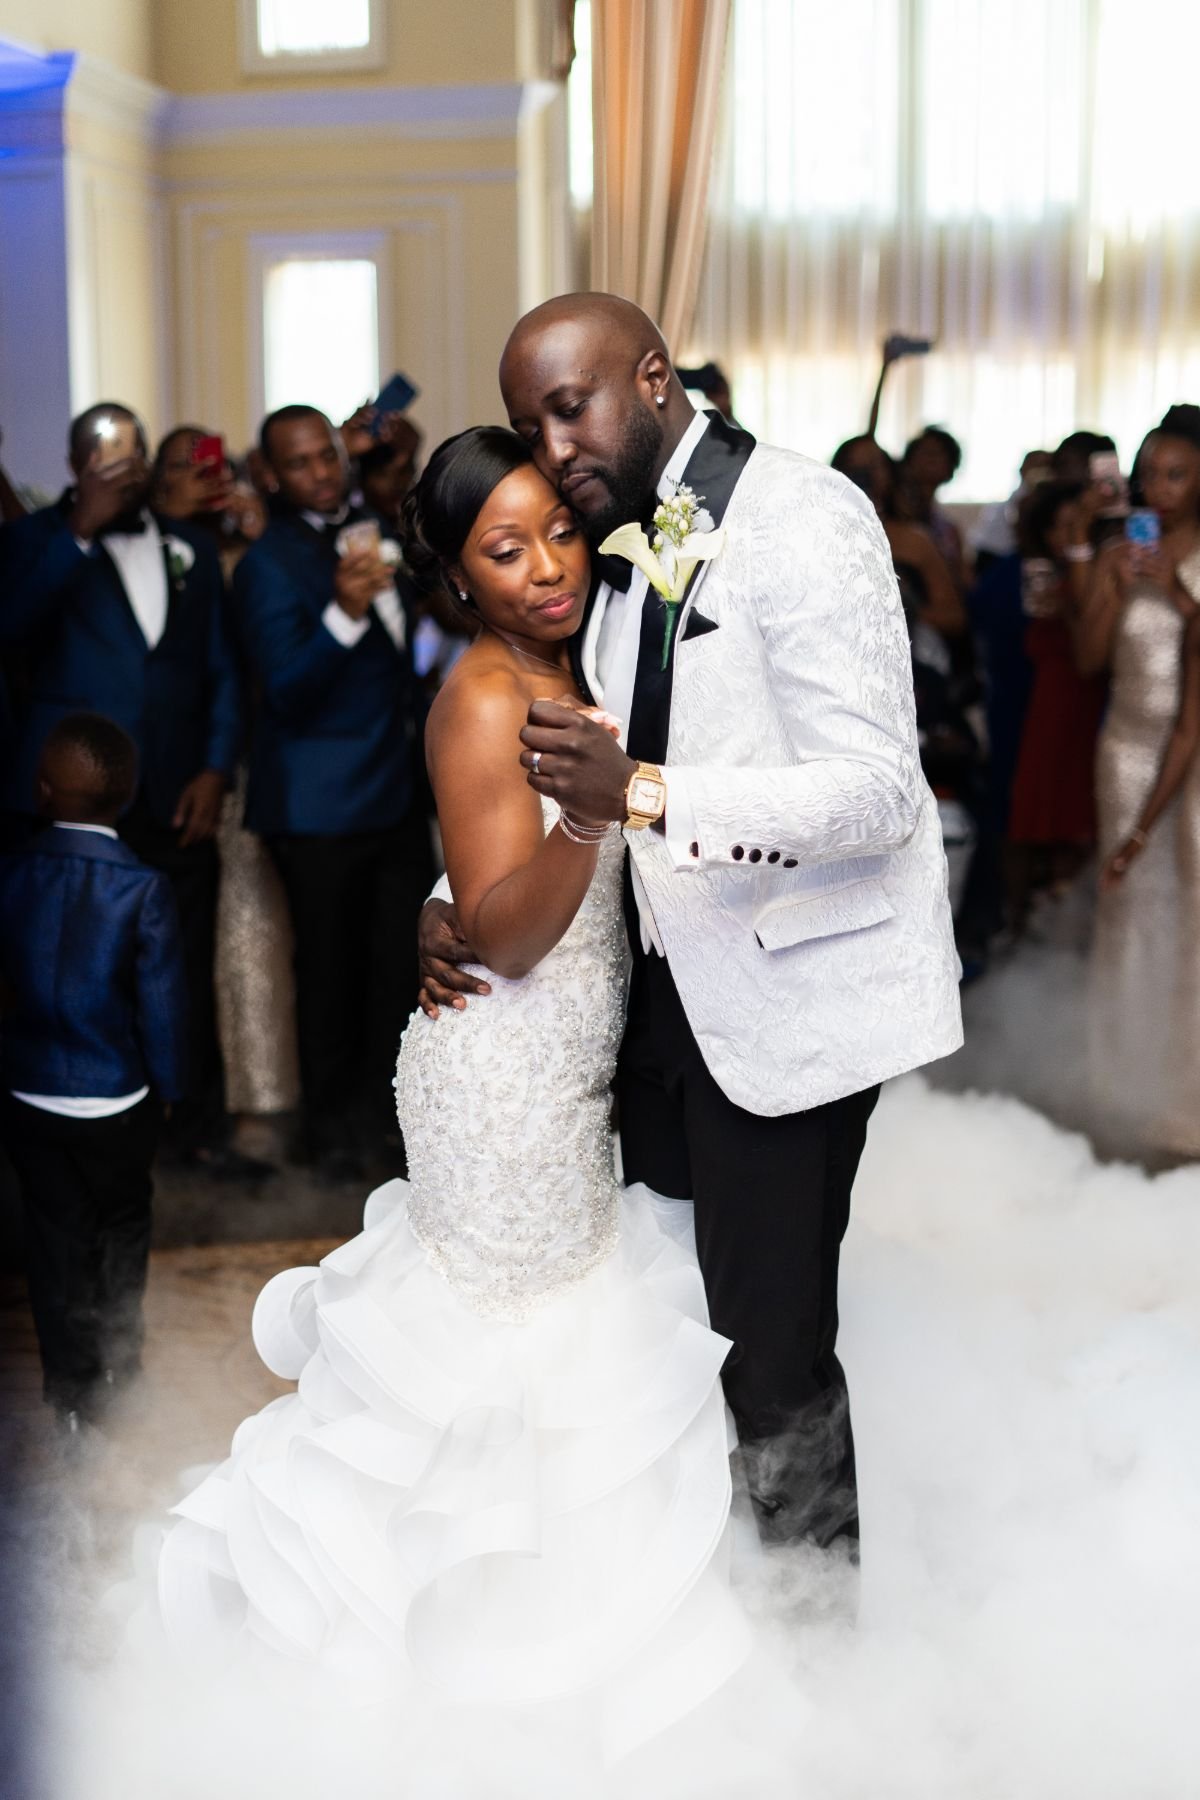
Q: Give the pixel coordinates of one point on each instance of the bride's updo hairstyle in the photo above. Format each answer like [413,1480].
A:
[441,509]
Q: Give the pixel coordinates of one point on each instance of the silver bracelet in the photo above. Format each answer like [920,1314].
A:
[584,834]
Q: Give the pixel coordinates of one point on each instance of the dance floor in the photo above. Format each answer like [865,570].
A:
[1021,1331]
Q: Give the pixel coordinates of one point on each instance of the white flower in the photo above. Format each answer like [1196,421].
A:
[180,557]
[389,552]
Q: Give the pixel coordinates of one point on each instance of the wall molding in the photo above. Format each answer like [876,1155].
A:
[476,110]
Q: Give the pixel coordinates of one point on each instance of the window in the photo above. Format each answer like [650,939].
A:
[287,36]
[1014,181]
[320,333]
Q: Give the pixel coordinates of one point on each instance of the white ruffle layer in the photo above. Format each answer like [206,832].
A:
[502,1513]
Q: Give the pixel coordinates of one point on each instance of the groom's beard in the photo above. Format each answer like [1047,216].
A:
[630,483]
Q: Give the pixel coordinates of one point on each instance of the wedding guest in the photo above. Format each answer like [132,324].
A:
[333,782]
[995,531]
[1144,1013]
[93,1044]
[926,586]
[387,470]
[1053,813]
[121,612]
[255,986]
[930,461]
[207,493]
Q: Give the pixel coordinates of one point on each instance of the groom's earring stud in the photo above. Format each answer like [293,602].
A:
[660,399]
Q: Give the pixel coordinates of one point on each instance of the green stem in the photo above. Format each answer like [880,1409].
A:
[672,610]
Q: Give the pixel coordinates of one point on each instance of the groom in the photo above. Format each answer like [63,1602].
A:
[786,886]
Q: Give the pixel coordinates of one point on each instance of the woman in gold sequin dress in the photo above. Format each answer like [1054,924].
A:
[255,984]
[502,1489]
[1144,1025]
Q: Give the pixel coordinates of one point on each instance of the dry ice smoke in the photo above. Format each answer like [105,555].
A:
[1021,1329]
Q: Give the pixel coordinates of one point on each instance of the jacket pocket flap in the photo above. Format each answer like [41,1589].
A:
[782,923]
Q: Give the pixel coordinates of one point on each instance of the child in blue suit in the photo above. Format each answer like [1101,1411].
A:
[93,1045]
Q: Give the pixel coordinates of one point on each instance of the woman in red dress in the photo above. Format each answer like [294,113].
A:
[1053,816]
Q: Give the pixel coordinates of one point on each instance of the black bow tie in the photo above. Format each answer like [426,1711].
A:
[124,528]
[616,570]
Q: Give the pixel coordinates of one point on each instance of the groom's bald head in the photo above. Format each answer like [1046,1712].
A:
[588,382]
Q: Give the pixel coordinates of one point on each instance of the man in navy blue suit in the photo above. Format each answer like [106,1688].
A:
[93,1044]
[117,612]
[334,782]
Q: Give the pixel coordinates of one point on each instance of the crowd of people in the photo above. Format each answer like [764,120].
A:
[215,679]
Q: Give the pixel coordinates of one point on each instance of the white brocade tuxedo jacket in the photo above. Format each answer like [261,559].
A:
[800,893]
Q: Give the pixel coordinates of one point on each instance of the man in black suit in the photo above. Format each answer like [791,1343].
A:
[335,781]
[116,611]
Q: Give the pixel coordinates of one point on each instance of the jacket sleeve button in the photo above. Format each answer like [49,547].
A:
[737,853]
[756,855]
[772,856]
[694,850]
[789,862]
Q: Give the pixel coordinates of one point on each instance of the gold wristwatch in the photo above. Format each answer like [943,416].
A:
[645,797]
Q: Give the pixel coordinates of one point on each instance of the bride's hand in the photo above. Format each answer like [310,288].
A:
[596,714]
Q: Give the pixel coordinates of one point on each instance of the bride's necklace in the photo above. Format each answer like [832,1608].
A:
[530,657]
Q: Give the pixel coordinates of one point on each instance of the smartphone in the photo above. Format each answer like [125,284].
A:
[209,452]
[1104,473]
[353,540]
[116,441]
[395,396]
[1142,528]
[1040,585]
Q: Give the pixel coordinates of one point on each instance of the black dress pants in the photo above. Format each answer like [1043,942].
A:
[86,1192]
[354,902]
[198,1118]
[772,1202]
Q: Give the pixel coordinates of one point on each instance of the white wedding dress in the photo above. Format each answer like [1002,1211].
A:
[503,1479]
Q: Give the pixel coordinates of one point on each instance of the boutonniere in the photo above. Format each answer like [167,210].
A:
[180,557]
[684,535]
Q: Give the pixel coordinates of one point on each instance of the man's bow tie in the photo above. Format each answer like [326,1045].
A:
[616,570]
[124,528]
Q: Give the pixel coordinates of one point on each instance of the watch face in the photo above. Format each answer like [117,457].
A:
[645,795]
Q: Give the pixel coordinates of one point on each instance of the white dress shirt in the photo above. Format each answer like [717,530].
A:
[142,566]
[613,637]
[73,1106]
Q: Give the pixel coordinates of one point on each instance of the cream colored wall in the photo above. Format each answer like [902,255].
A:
[429,42]
[117,31]
[178,167]
[115,241]
[445,214]
[462,204]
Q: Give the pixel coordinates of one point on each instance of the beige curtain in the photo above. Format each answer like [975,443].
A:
[656,87]
[1014,180]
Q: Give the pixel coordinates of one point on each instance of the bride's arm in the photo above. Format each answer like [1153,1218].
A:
[516,890]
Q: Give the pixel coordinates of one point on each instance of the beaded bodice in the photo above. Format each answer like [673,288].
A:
[505,1113]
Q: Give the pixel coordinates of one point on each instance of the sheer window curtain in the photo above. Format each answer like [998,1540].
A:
[1015,181]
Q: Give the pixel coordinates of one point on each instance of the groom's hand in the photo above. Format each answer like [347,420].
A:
[441,947]
[579,763]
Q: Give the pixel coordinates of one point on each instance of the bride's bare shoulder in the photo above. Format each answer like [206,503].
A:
[481,695]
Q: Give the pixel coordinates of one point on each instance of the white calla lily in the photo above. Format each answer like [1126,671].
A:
[631,542]
[669,560]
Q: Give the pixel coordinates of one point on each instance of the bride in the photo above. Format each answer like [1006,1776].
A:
[503,1477]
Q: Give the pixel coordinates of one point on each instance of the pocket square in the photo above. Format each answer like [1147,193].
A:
[697,625]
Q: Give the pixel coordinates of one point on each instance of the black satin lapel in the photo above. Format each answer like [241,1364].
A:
[712,474]
[575,646]
[716,464]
